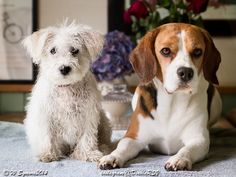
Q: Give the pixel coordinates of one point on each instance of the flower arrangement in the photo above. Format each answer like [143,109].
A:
[144,15]
[113,62]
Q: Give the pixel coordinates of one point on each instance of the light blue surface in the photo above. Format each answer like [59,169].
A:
[15,157]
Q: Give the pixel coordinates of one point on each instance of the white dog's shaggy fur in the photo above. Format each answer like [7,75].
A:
[64,114]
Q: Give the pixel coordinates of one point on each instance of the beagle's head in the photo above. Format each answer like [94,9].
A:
[178,55]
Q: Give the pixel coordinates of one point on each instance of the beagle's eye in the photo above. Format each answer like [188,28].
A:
[166,51]
[53,51]
[197,53]
[74,51]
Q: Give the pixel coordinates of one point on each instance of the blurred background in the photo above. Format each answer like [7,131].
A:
[123,22]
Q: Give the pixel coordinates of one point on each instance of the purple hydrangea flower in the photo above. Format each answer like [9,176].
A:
[114,59]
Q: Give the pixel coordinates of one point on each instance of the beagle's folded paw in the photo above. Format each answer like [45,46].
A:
[109,162]
[176,163]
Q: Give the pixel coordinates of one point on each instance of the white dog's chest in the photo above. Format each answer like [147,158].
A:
[69,115]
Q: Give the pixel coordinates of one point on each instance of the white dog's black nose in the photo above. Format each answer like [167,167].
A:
[65,70]
[185,74]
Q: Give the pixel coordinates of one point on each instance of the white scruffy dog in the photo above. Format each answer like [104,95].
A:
[64,114]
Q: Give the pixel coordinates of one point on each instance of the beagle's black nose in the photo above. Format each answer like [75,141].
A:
[65,70]
[185,74]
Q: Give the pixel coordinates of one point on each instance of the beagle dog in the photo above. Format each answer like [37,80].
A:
[176,102]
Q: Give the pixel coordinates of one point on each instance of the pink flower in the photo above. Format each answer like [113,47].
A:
[197,6]
[137,9]
[126,17]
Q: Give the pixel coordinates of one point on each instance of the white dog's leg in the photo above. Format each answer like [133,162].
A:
[127,149]
[104,135]
[39,139]
[38,133]
[87,147]
[194,150]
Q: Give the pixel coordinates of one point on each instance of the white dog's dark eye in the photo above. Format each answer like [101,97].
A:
[53,51]
[197,53]
[74,51]
[166,51]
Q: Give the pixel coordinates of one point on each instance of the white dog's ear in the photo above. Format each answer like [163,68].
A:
[94,42]
[36,42]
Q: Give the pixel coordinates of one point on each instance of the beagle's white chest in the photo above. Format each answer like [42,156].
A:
[175,118]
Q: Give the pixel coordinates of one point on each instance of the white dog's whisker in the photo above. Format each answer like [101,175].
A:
[67,85]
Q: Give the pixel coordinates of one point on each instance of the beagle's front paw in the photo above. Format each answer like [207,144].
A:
[109,162]
[176,163]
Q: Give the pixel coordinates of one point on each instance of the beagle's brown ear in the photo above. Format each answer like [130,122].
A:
[143,58]
[211,59]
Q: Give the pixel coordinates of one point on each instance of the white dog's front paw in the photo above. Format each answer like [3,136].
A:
[109,162]
[92,156]
[178,163]
[48,157]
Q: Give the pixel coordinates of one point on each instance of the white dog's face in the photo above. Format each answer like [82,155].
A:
[179,55]
[64,53]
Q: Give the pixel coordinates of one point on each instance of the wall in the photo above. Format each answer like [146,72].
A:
[226,45]
[227,48]
[15,102]
[54,12]
[94,13]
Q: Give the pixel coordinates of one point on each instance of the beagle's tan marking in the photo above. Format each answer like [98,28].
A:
[146,104]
